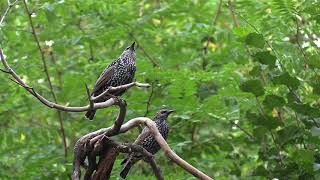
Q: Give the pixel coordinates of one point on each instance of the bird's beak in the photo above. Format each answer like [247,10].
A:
[132,46]
[171,111]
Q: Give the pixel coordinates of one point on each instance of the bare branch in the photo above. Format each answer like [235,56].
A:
[149,158]
[115,128]
[213,22]
[108,151]
[243,130]
[89,97]
[165,147]
[10,5]
[119,88]
[90,145]
[45,66]
[80,152]
[298,42]
[51,104]
[4,70]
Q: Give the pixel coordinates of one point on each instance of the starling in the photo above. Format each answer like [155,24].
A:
[121,71]
[147,141]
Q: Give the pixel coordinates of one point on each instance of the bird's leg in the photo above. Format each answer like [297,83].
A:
[116,99]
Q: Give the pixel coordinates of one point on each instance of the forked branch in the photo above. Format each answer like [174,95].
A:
[50,104]
[81,147]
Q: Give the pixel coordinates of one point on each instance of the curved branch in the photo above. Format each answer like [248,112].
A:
[148,157]
[119,88]
[57,106]
[83,147]
[163,144]
[80,151]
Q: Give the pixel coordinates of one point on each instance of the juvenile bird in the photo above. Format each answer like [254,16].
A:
[121,71]
[147,141]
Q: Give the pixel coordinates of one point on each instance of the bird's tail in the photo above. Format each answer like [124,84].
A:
[127,166]
[90,114]
[125,170]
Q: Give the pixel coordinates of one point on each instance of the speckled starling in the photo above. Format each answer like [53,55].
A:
[147,141]
[121,71]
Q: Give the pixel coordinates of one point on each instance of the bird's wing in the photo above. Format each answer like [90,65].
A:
[130,157]
[104,77]
[144,134]
[129,76]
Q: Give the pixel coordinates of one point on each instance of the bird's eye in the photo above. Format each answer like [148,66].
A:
[127,48]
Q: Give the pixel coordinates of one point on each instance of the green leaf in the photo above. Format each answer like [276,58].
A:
[255,40]
[286,79]
[305,109]
[263,121]
[272,101]
[314,61]
[303,156]
[253,86]
[256,71]
[224,145]
[260,171]
[51,17]
[260,132]
[288,134]
[241,31]
[265,58]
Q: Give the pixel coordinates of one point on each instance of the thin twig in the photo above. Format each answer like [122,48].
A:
[91,58]
[123,87]
[257,31]
[128,148]
[51,104]
[276,54]
[271,133]
[91,103]
[278,148]
[151,59]
[305,58]
[298,42]
[231,8]
[45,66]
[10,5]
[4,70]
[59,72]
[298,99]
[149,100]
[213,22]
[243,130]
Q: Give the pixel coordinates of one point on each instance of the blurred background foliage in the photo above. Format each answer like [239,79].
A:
[242,75]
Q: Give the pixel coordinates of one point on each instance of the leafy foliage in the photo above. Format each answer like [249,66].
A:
[246,89]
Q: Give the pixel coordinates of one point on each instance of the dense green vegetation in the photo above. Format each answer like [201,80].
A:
[243,78]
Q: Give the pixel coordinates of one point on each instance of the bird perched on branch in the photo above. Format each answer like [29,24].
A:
[121,71]
[147,141]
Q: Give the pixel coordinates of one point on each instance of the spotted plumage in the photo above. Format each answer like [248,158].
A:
[147,141]
[119,72]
